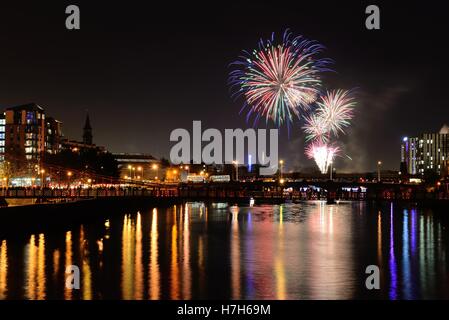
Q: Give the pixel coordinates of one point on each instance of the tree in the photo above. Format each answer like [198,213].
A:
[16,162]
[85,162]
[165,163]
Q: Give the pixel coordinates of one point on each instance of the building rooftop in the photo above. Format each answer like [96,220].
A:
[132,156]
[29,107]
[444,129]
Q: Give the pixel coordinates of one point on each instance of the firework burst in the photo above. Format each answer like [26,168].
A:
[335,110]
[315,128]
[323,154]
[279,81]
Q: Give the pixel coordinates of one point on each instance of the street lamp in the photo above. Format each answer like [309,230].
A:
[130,168]
[42,177]
[134,172]
[69,174]
[140,169]
[281,167]
[379,163]
[155,168]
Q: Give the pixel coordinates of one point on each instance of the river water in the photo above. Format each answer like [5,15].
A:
[195,250]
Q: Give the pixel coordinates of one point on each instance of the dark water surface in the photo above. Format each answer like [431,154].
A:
[206,251]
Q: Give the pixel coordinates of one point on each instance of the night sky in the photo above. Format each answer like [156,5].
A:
[143,70]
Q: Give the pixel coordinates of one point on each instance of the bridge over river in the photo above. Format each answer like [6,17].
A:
[312,190]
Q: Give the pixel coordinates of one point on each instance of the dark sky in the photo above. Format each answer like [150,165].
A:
[144,70]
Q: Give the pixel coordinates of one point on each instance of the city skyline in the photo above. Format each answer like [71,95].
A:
[239,154]
[133,83]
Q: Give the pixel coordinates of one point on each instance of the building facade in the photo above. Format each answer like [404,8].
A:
[53,135]
[2,137]
[409,153]
[25,132]
[427,151]
[138,166]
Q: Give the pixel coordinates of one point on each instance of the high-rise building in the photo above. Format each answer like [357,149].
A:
[25,132]
[2,136]
[427,151]
[53,135]
[409,150]
[433,151]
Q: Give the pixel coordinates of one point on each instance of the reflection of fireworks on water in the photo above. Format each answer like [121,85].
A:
[323,154]
[278,81]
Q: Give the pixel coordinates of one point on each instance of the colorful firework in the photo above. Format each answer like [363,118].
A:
[323,154]
[335,110]
[315,129]
[279,81]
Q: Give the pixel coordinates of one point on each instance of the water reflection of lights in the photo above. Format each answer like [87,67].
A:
[219,205]
[35,272]
[234,212]
[406,256]
[379,239]
[328,251]
[319,264]
[235,255]
[127,270]
[138,265]
[174,284]
[279,267]
[154,265]
[3,269]
[68,262]
[186,272]
[392,262]
[201,264]
[86,271]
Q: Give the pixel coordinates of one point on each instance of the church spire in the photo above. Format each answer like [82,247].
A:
[87,131]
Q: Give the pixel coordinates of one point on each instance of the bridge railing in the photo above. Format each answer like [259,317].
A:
[88,193]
